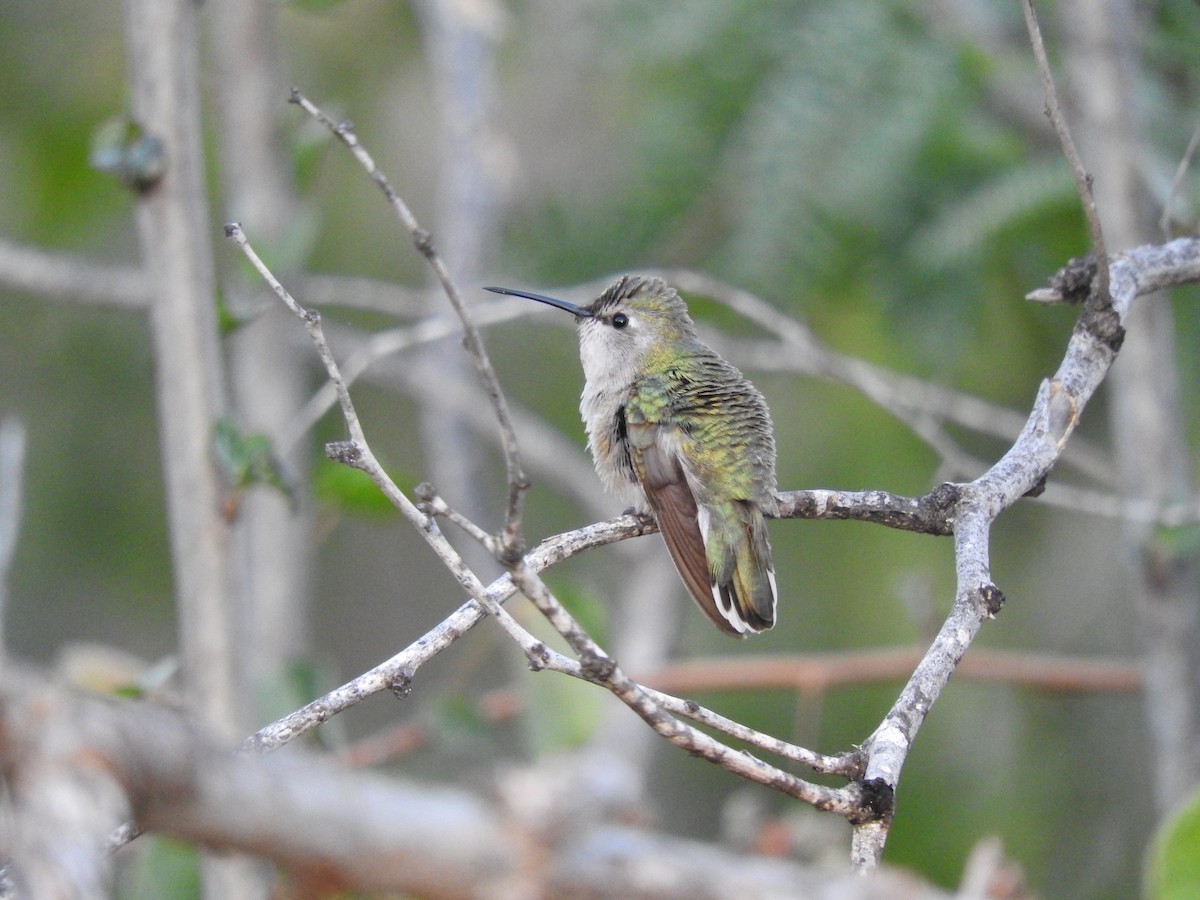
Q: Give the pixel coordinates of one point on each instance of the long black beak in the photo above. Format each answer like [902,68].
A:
[578,312]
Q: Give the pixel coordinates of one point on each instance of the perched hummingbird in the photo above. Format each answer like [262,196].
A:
[675,429]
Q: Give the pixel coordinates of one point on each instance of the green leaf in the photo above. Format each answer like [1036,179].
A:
[349,491]
[1173,861]
[248,459]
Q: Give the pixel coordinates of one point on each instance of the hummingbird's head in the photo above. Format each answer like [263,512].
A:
[637,319]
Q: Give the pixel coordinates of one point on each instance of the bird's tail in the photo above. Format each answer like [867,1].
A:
[739,560]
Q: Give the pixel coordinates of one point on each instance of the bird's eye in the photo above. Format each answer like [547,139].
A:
[620,320]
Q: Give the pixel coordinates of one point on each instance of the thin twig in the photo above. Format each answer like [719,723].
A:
[383,344]
[603,670]
[1083,181]
[66,276]
[518,484]
[397,673]
[312,324]
[357,453]
[1164,222]
[820,672]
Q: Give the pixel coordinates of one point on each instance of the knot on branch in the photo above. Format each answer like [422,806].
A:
[646,522]
[1073,282]
[992,597]
[538,654]
[876,801]
[1079,283]
[423,241]
[596,666]
[939,505]
[1103,323]
[347,453]
[509,553]
[400,682]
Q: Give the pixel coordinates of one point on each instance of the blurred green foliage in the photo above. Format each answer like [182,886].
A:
[846,161]
[160,868]
[1173,863]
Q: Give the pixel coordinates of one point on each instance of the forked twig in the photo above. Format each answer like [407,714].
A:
[518,483]
[593,664]
[966,510]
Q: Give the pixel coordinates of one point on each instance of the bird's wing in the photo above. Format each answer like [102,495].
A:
[661,475]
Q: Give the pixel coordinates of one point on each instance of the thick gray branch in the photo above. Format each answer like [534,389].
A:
[1056,411]
[177,254]
[79,764]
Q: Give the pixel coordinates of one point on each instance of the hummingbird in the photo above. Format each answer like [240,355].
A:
[676,430]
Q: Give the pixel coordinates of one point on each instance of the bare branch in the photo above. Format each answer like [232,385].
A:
[603,670]
[1083,181]
[372,833]
[382,344]
[176,248]
[518,484]
[1056,411]
[330,828]
[819,672]
[1164,222]
[65,276]
[357,453]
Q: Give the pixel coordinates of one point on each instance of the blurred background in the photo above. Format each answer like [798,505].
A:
[880,171]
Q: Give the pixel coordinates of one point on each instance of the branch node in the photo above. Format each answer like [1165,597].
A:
[992,597]
[1073,282]
[1081,281]
[646,522]
[400,682]
[596,666]
[877,801]
[943,499]
[537,654]
[1105,325]
[507,553]
[347,453]
[423,241]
